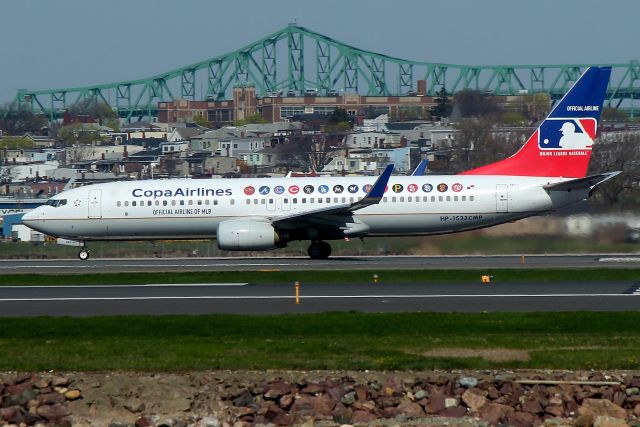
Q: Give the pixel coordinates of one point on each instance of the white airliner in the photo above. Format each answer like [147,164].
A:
[267,213]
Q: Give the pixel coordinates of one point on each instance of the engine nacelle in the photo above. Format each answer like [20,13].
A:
[246,235]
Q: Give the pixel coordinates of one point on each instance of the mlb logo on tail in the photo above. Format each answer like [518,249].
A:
[567,134]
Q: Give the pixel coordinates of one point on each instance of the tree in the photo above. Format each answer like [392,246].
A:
[20,120]
[477,144]
[254,118]
[78,134]
[614,115]
[201,121]
[311,152]
[621,153]
[97,110]
[473,103]
[443,105]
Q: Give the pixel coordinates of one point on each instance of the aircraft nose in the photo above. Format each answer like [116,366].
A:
[32,216]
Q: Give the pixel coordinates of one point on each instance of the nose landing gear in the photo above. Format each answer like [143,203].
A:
[319,250]
[83,255]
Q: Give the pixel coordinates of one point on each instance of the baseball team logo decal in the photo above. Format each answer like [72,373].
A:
[249,190]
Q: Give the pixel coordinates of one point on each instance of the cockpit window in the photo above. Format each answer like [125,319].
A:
[56,202]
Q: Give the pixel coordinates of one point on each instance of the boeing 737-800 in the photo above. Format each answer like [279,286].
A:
[547,173]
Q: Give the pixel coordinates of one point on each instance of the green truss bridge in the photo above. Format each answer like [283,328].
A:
[295,59]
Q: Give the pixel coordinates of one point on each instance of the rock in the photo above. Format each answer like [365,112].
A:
[604,421]
[302,405]
[276,390]
[410,409]
[12,414]
[286,401]
[322,406]
[362,417]
[41,383]
[53,412]
[636,410]
[134,406]
[341,414]
[361,394]
[436,404]
[420,394]
[313,388]
[245,399]
[336,392]
[349,398]
[631,391]
[531,406]
[522,419]
[495,413]
[473,400]
[555,410]
[454,412]
[59,381]
[598,407]
[50,398]
[468,382]
[72,394]
[450,402]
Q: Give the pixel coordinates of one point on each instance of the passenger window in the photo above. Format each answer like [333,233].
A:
[126,203]
[409,199]
[393,200]
[262,201]
[464,198]
[148,202]
[206,202]
[471,198]
[215,202]
[118,204]
[440,198]
[328,199]
[255,201]
[270,201]
[190,202]
[157,202]
[335,200]
[285,200]
[384,199]
[173,203]
[304,200]
[134,203]
[344,200]
[455,198]
[248,201]
[448,198]
[181,202]
[295,200]
[199,202]
[402,199]
[433,198]
[165,203]
[233,202]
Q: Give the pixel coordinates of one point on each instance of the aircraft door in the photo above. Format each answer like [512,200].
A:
[502,198]
[271,203]
[95,204]
[286,203]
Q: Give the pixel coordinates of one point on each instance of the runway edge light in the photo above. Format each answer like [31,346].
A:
[297,286]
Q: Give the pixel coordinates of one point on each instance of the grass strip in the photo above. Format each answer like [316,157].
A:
[391,276]
[382,341]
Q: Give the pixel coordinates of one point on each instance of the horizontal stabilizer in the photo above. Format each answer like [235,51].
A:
[581,183]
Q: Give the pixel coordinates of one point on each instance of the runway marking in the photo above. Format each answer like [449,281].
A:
[158,285]
[274,297]
[16,267]
[633,290]
[620,259]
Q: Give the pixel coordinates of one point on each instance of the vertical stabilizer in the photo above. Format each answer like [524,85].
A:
[561,146]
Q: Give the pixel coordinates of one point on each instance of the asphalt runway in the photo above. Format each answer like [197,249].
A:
[74,266]
[241,298]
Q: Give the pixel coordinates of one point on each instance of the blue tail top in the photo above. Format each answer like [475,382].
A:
[586,97]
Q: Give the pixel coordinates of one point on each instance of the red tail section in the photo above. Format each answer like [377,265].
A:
[561,146]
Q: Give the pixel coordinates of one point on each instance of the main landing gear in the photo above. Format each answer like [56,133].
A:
[83,254]
[319,250]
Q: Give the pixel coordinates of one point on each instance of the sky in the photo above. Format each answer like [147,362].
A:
[48,44]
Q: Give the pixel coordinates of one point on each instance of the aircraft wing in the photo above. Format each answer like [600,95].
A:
[581,183]
[335,216]
[421,168]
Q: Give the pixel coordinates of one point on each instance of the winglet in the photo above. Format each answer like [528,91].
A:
[422,166]
[376,192]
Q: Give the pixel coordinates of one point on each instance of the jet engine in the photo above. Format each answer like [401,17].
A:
[247,235]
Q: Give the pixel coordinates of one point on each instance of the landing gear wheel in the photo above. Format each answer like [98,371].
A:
[319,250]
[83,254]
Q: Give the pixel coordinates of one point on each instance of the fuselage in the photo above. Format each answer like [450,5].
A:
[188,208]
